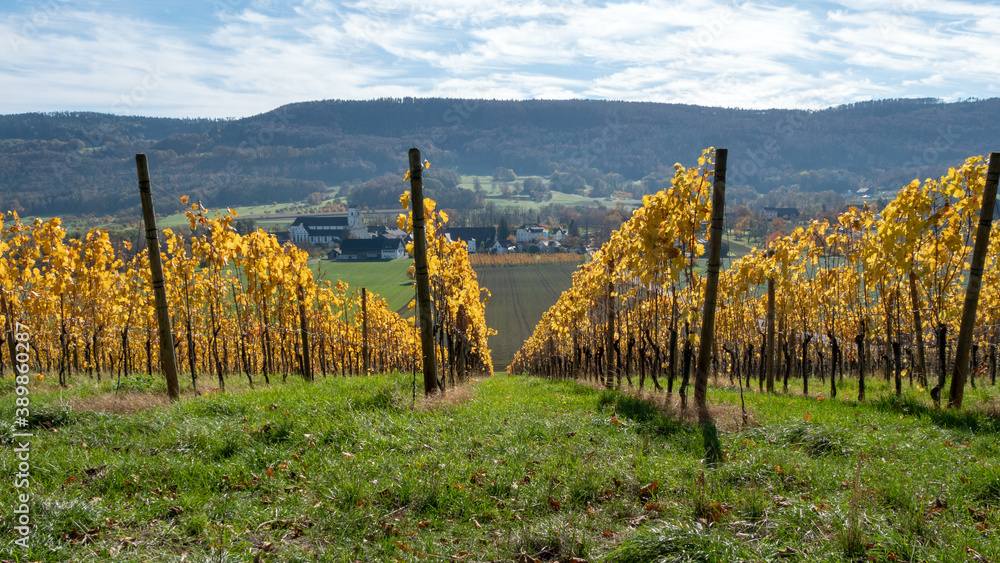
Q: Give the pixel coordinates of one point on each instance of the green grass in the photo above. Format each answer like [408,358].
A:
[569,200]
[347,470]
[519,297]
[388,279]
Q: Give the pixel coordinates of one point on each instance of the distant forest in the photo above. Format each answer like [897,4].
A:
[81,163]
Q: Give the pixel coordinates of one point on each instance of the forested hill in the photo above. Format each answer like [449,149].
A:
[83,162]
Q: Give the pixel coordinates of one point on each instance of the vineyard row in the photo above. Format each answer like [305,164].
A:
[239,305]
[876,291]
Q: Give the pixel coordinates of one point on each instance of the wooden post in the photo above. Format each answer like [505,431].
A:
[993,364]
[609,336]
[979,251]
[859,341]
[168,362]
[364,329]
[304,333]
[421,273]
[770,336]
[918,330]
[8,315]
[712,286]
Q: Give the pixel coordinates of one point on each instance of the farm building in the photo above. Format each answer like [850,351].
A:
[328,229]
[476,238]
[781,213]
[371,249]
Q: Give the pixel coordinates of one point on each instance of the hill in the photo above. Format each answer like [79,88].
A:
[79,163]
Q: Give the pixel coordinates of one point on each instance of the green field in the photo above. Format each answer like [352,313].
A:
[388,279]
[519,297]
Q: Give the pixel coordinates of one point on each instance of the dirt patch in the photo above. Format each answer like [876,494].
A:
[123,403]
[727,417]
[452,396]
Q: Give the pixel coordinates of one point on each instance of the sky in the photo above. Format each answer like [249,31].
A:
[234,58]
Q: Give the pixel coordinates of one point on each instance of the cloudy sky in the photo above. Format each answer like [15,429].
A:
[232,58]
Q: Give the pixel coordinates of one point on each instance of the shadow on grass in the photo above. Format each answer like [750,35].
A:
[651,421]
[968,420]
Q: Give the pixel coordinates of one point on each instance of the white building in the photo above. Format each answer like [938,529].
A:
[530,233]
[371,249]
[328,229]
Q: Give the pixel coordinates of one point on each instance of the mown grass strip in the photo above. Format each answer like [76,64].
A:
[349,470]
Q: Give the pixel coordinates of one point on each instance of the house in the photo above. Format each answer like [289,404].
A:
[476,238]
[328,229]
[376,231]
[781,213]
[394,232]
[333,254]
[558,234]
[527,234]
[549,246]
[371,249]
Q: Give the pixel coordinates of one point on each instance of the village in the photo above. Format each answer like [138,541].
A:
[350,237]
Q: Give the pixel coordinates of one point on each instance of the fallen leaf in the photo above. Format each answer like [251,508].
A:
[648,489]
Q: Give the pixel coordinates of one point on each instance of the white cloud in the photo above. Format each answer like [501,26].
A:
[246,56]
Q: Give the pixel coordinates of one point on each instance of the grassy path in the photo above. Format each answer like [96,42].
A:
[347,470]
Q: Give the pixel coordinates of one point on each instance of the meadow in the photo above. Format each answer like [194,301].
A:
[505,469]
[387,279]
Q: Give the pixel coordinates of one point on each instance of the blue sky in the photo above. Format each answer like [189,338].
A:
[232,58]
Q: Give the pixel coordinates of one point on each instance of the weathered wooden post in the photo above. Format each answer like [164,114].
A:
[918,330]
[304,335]
[364,330]
[964,348]
[769,343]
[609,335]
[993,364]
[712,286]
[421,272]
[168,361]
